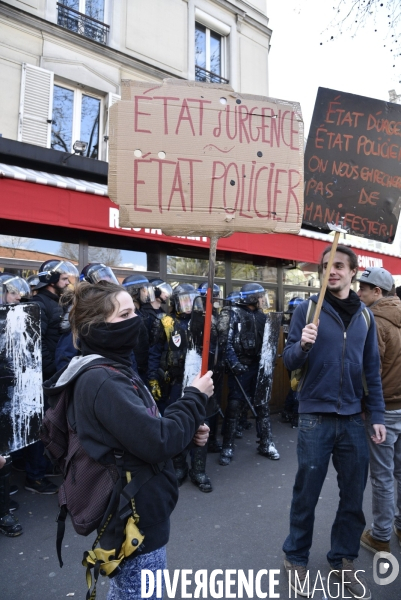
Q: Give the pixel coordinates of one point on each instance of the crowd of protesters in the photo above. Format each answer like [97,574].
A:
[346,402]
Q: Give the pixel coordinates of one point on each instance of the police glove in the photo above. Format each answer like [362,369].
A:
[155,389]
[239,369]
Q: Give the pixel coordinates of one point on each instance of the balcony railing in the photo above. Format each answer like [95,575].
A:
[204,75]
[71,19]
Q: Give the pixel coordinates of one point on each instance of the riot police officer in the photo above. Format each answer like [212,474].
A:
[65,350]
[152,309]
[141,291]
[12,289]
[242,354]
[290,412]
[167,360]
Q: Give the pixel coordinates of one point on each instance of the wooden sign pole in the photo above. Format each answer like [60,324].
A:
[209,305]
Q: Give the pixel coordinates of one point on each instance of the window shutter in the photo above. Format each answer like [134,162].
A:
[112,98]
[36,106]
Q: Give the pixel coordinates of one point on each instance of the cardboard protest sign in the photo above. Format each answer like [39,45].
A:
[194,158]
[21,397]
[352,165]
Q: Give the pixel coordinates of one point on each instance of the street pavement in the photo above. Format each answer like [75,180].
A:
[240,526]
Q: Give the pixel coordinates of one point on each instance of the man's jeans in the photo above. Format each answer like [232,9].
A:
[385,465]
[319,437]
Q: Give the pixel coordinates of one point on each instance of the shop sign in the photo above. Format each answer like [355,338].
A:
[199,159]
[369,261]
[352,165]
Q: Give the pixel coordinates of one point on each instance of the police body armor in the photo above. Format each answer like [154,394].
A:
[248,335]
[173,357]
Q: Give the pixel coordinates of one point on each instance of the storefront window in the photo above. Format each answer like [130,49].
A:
[177,265]
[304,274]
[125,259]
[295,294]
[248,270]
[25,255]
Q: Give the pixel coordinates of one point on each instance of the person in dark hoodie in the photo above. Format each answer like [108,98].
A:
[115,411]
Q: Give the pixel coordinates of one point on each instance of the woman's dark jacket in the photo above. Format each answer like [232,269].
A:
[114,410]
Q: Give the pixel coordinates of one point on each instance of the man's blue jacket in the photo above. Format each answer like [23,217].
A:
[333,380]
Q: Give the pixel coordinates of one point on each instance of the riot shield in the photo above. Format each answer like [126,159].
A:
[264,381]
[21,396]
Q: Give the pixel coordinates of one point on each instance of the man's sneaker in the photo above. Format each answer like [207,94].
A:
[298,578]
[372,544]
[397,533]
[352,579]
[13,489]
[40,486]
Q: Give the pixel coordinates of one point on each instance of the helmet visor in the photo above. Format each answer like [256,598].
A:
[165,290]
[65,267]
[146,294]
[102,274]
[185,302]
[263,301]
[14,289]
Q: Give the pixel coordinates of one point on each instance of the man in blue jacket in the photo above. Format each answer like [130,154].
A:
[334,356]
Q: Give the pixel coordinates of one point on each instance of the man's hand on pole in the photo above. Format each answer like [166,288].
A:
[309,335]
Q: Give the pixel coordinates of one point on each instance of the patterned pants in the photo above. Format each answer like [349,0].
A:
[127,584]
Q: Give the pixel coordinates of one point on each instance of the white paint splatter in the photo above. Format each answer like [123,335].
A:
[268,352]
[23,352]
[193,364]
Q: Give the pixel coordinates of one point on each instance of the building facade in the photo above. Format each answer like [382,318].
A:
[61,67]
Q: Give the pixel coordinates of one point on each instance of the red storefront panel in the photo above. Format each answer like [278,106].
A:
[31,202]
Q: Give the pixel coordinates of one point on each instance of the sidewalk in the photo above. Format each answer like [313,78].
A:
[241,525]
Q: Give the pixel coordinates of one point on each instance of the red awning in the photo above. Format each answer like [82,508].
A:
[34,203]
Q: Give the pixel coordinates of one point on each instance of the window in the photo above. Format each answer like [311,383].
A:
[177,265]
[210,48]
[263,269]
[301,274]
[84,17]
[55,115]
[76,116]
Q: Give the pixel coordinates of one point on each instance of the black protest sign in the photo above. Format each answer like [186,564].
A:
[353,165]
[21,397]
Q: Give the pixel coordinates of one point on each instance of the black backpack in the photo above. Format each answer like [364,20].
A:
[91,492]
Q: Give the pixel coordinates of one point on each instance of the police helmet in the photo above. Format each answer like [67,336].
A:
[183,298]
[13,288]
[161,287]
[293,303]
[202,289]
[139,288]
[33,281]
[253,294]
[231,299]
[50,271]
[95,272]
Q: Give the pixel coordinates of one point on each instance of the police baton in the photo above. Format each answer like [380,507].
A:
[243,391]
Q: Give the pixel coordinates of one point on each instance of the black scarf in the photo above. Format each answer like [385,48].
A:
[112,340]
[345,308]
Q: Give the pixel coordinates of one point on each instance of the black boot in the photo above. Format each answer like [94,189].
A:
[197,473]
[180,467]
[9,524]
[266,445]
[230,427]
[213,444]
